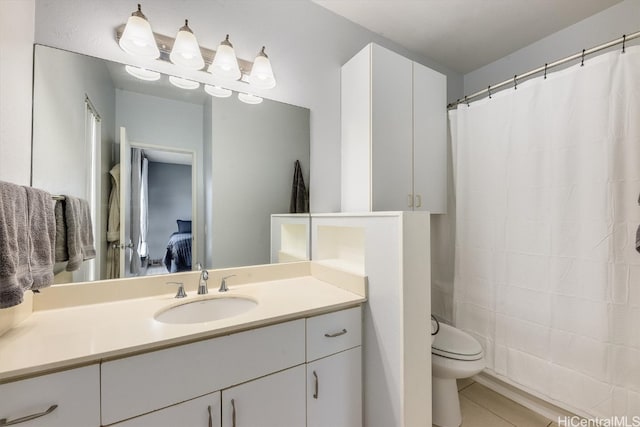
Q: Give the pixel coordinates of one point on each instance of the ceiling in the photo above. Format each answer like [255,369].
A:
[465,35]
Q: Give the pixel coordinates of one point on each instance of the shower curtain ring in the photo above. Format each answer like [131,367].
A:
[582,63]
[624,40]
[515,82]
[465,100]
[489,90]
[545,71]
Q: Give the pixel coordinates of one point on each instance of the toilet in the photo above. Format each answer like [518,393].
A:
[454,354]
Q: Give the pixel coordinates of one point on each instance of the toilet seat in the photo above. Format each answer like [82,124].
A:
[453,343]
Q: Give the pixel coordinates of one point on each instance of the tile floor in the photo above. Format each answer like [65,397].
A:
[482,407]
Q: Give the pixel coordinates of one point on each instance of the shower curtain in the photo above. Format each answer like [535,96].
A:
[547,277]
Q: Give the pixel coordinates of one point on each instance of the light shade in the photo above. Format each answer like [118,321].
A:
[247,98]
[137,38]
[186,51]
[217,91]
[225,64]
[183,83]
[142,73]
[261,75]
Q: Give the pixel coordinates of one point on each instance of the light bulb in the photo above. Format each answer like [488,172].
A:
[225,64]
[186,51]
[137,38]
[248,98]
[183,83]
[217,91]
[142,73]
[261,75]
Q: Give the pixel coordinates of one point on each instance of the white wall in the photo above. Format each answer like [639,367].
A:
[623,18]
[16,40]
[16,62]
[306,43]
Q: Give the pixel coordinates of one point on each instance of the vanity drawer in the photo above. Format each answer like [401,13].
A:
[202,411]
[139,384]
[333,332]
[76,392]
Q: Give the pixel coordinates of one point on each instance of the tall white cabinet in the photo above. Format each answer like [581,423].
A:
[394,135]
[392,249]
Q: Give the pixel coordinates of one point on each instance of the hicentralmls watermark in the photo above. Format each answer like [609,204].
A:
[614,421]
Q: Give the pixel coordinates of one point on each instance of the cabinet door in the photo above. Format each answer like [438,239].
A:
[391,124]
[64,399]
[429,140]
[334,390]
[201,412]
[196,369]
[277,400]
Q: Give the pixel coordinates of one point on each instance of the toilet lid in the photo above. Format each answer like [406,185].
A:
[453,343]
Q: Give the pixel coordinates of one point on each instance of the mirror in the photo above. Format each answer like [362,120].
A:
[218,164]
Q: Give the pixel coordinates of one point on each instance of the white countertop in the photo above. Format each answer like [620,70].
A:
[63,338]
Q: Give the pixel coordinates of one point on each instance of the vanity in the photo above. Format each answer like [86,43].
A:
[292,360]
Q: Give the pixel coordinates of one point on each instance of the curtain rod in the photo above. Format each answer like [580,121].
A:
[514,81]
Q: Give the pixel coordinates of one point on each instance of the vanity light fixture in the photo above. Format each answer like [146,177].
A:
[142,73]
[225,64]
[137,38]
[248,98]
[183,83]
[186,51]
[217,91]
[261,76]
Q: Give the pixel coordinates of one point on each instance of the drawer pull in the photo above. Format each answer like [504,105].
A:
[210,419]
[5,422]
[233,413]
[337,334]
[315,395]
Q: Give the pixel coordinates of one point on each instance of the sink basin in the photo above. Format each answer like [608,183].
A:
[206,310]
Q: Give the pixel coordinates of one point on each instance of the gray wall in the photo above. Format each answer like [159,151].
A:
[623,18]
[166,123]
[251,175]
[306,43]
[169,200]
[60,158]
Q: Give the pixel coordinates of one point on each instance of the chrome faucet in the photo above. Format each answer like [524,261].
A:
[181,293]
[204,276]
[223,284]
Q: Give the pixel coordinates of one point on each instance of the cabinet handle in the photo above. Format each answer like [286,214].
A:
[337,334]
[315,395]
[410,200]
[233,413]
[418,201]
[5,422]
[210,419]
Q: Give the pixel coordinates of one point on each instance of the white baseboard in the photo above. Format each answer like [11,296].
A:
[511,391]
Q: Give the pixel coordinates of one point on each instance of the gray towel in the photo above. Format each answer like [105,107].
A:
[61,254]
[638,233]
[79,232]
[41,232]
[299,195]
[15,276]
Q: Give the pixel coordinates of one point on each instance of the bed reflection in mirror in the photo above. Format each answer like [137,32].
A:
[174,177]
